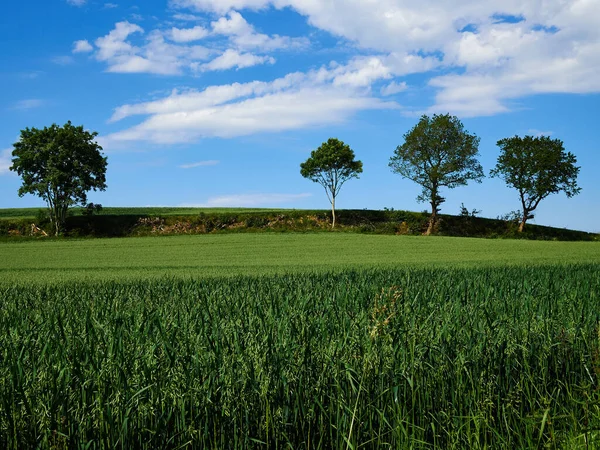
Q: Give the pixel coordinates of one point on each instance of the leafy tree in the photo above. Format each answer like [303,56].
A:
[536,167]
[60,165]
[331,165]
[437,152]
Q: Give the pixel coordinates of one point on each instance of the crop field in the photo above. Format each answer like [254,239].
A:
[299,341]
[265,253]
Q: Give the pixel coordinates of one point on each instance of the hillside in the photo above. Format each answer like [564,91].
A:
[122,222]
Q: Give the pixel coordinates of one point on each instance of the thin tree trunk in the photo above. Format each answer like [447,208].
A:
[333,212]
[434,211]
[522,224]
[525,214]
[432,222]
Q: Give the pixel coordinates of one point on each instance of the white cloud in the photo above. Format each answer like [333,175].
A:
[199,164]
[27,104]
[554,48]
[251,200]
[538,133]
[77,2]
[188,34]
[299,100]
[155,56]
[186,17]
[82,46]
[5,161]
[233,59]
[110,5]
[393,88]
[243,35]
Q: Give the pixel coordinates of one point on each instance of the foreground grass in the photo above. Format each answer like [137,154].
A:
[265,253]
[493,357]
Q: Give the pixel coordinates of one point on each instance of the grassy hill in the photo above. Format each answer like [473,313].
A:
[123,222]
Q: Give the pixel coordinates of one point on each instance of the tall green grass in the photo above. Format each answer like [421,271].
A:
[389,358]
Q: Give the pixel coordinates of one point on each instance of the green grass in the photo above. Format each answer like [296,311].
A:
[405,358]
[316,340]
[31,213]
[265,253]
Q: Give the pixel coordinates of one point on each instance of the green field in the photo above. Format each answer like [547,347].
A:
[316,340]
[30,213]
[265,253]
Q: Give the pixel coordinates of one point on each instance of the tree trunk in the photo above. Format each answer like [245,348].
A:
[333,212]
[522,224]
[432,222]
[434,212]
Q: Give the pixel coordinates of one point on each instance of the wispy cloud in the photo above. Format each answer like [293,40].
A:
[538,133]
[393,88]
[299,100]
[251,200]
[199,164]
[77,2]
[5,160]
[27,104]
[186,17]
[31,75]
[63,60]
[82,46]
[233,59]
[110,5]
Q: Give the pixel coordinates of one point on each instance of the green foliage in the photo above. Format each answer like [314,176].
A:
[331,165]
[436,153]
[60,165]
[537,167]
[481,358]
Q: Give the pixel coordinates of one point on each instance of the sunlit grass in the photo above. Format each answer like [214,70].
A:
[266,253]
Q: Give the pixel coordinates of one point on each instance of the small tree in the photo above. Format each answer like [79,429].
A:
[536,167]
[60,165]
[331,165]
[437,153]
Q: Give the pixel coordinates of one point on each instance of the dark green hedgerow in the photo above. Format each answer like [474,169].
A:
[497,358]
[228,221]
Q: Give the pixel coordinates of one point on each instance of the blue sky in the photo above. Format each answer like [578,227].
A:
[217,102]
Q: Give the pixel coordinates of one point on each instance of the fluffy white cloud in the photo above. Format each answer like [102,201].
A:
[326,96]
[188,34]
[82,46]
[199,164]
[5,161]
[251,200]
[243,35]
[154,56]
[553,46]
[233,59]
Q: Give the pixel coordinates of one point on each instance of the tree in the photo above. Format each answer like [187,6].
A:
[331,165]
[60,165]
[437,152]
[536,167]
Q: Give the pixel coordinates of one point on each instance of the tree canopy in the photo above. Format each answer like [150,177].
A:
[331,165]
[537,167]
[60,165]
[436,153]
